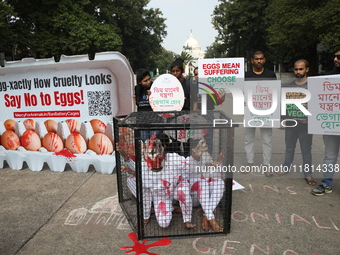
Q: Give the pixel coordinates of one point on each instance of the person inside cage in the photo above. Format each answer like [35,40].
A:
[164,179]
[206,183]
[206,178]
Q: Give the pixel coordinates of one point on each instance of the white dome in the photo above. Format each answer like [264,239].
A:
[192,42]
[192,47]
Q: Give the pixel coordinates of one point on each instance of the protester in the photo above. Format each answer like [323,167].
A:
[142,93]
[177,69]
[332,144]
[206,184]
[259,72]
[142,90]
[298,129]
[165,177]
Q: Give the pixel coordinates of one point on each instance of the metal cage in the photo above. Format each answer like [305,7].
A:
[172,170]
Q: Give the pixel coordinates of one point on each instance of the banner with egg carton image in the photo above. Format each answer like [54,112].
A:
[61,112]
[58,144]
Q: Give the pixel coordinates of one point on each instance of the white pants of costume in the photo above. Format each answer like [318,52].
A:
[266,134]
[163,202]
[208,193]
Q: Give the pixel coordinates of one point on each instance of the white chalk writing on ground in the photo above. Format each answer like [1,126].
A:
[292,219]
[230,247]
[274,189]
[106,212]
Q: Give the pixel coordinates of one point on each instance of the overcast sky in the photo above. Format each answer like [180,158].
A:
[184,16]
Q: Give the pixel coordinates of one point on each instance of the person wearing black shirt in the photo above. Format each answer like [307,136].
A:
[259,72]
[142,90]
[177,70]
[332,145]
[300,131]
[142,93]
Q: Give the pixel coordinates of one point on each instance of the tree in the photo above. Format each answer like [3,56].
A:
[186,57]
[285,29]
[326,22]
[50,28]
[241,26]
[216,50]
[6,13]
[298,30]
[163,60]
[291,32]
[141,30]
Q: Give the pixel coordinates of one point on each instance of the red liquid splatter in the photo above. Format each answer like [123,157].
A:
[197,187]
[162,209]
[140,248]
[167,115]
[166,185]
[181,196]
[65,153]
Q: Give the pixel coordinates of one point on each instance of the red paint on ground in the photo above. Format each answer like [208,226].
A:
[142,248]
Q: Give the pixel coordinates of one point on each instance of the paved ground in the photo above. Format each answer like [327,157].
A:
[77,213]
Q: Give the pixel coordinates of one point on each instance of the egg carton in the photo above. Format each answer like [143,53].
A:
[79,163]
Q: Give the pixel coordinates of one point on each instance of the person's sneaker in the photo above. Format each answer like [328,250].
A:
[319,191]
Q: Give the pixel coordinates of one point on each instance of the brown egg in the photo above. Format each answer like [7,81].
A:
[10,140]
[98,126]
[10,124]
[52,142]
[75,143]
[100,144]
[51,126]
[29,124]
[30,140]
[73,125]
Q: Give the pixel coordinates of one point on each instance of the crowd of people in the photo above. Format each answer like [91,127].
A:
[298,132]
[168,176]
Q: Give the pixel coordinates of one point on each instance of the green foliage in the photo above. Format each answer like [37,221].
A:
[141,30]
[60,27]
[6,18]
[163,60]
[298,29]
[285,29]
[51,28]
[241,26]
[216,50]
[291,30]
[186,57]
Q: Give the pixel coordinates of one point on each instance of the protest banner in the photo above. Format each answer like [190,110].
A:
[324,105]
[218,74]
[79,95]
[264,95]
[166,94]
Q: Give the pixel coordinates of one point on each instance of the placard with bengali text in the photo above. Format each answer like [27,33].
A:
[265,95]
[166,94]
[324,105]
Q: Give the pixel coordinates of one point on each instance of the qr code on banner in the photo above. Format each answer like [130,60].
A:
[99,103]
